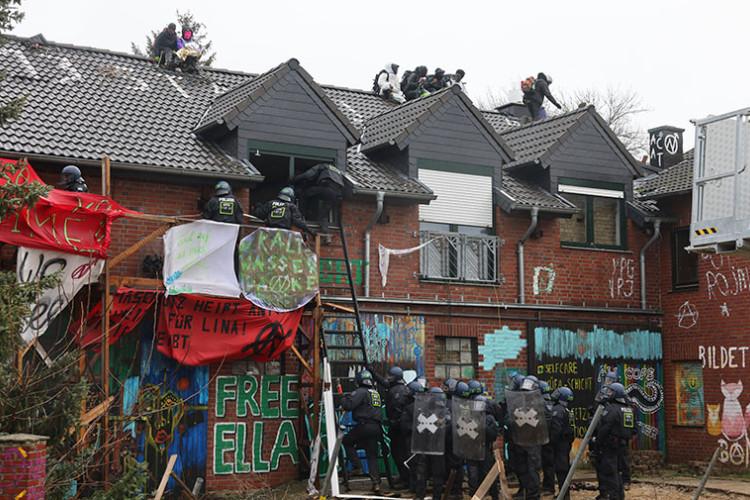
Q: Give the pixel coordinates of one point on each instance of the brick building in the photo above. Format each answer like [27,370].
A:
[536,255]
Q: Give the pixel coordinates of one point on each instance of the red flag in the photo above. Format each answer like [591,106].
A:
[127,310]
[197,330]
[64,221]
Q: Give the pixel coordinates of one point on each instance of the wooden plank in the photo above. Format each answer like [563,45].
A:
[503,478]
[148,283]
[165,477]
[96,411]
[105,333]
[497,470]
[341,308]
[301,359]
[137,246]
[184,486]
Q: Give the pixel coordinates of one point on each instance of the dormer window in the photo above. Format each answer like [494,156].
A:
[601,221]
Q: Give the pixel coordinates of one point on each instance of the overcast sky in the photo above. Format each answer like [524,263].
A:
[686,59]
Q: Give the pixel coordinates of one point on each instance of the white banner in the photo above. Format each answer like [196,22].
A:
[75,271]
[199,258]
[385,256]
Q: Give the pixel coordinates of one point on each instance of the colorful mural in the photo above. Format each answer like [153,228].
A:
[170,413]
[579,356]
[689,390]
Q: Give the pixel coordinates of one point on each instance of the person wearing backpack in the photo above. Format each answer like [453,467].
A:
[411,80]
[534,98]
[386,84]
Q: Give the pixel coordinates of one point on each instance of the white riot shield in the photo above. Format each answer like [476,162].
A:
[468,426]
[528,424]
[428,427]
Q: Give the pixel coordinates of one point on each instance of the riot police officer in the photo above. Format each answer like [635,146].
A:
[282,212]
[623,466]
[223,207]
[548,452]
[616,428]
[561,433]
[395,401]
[71,178]
[367,411]
[478,469]
[529,457]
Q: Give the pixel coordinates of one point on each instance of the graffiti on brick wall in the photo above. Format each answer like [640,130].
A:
[330,266]
[248,409]
[499,346]
[580,356]
[389,340]
[689,390]
[19,469]
[687,315]
[715,357]
[544,279]
[734,442]
[724,278]
[622,278]
[170,410]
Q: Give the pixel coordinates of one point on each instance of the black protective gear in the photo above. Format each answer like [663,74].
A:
[462,390]
[395,373]
[366,436]
[282,214]
[563,395]
[222,187]
[326,192]
[286,194]
[364,378]
[223,209]
[475,387]
[69,174]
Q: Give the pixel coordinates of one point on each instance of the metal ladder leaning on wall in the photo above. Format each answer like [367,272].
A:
[343,342]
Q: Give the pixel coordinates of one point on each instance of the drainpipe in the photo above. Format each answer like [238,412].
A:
[657,233]
[532,226]
[366,265]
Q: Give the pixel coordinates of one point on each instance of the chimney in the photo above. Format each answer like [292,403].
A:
[514,110]
[665,146]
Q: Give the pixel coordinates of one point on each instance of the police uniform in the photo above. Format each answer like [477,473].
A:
[478,469]
[282,214]
[425,465]
[616,428]
[367,410]
[223,208]
[548,452]
[395,404]
[561,436]
[77,186]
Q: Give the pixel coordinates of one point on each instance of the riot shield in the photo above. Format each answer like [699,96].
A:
[468,426]
[428,427]
[528,424]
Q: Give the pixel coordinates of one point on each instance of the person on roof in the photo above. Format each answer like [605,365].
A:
[188,51]
[165,45]
[436,81]
[223,207]
[387,84]
[410,82]
[456,79]
[282,212]
[534,99]
[71,178]
[326,187]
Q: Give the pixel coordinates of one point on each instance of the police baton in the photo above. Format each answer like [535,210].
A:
[581,450]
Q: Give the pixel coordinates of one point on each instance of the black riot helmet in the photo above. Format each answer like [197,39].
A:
[222,188]
[70,173]
[395,373]
[364,379]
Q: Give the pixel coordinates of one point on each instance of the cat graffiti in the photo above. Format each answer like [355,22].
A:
[734,443]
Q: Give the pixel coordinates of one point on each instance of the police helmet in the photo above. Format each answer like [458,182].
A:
[364,378]
[286,194]
[395,373]
[479,397]
[475,387]
[610,378]
[436,390]
[415,387]
[515,382]
[222,187]
[563,395]
[544,387]
[530,383]
[611,392]
[619,391]
[70,173]
[449,384]
[462,390]
[423,381]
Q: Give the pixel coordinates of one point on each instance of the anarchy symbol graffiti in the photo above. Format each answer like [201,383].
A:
[687,315]
[427,423]
[671,143]
[82,270]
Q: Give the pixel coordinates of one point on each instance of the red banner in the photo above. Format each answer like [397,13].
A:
[197,330]
[127,310]
[64,221]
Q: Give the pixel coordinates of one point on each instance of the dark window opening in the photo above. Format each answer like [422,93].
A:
[684,263]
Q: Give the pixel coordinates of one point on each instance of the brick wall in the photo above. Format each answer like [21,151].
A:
[707,325]
[23,464]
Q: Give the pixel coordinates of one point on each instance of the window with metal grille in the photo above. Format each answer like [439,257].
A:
[455,358]
[461,253]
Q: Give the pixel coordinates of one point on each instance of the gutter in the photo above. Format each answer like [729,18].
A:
[366,265]
[521,282]
[133,167]
[657,233]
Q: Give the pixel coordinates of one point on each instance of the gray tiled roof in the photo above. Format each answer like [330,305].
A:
[369,176]
[677,179]
[500,121]
[537,140]
[86,103]
[358,105]
[517,194]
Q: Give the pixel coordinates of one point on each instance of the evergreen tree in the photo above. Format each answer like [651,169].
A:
[183,20]
[9,15]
